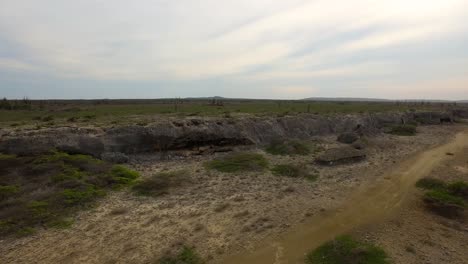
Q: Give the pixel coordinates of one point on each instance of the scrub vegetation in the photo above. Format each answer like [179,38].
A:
[160,183]
[346,250]
[446,199]
[294,171]
[403,130]
[186,255]
[238,162]
[45,190]
[53,112]
[288,147]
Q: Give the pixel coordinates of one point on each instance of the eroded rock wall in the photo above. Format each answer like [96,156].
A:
[174,134]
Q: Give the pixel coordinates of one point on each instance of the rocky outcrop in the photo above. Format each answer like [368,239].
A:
[461,113]
[433,118]
[192,133]
[115,157]
[340,155]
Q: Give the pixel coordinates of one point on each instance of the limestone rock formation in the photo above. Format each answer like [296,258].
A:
[340,155]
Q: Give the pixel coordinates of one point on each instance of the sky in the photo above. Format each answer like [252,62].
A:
[276,49]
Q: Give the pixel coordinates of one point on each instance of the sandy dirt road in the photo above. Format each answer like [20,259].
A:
[371,203]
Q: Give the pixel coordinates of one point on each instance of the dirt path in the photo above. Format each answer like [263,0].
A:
[369,204]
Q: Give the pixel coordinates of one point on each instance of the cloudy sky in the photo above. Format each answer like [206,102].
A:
[242,48]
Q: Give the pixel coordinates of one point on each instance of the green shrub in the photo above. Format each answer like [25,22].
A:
[7,191]
[448,200]
[159,183]
[403,130]
[123,175]
[25,231]
[312,177]
[286,170]
[185,256]
[444,203]
[239,162]
[431,183]
[52,157]
[412,122]
[444,198]
[346,250]
[68,173]
[72,119]
[291,147]
[39,209]
[70,159]
[47,118]
[459,188]
[67,183]
[5,227]
[60,223]
[89,117]
[73,197]
[6,157]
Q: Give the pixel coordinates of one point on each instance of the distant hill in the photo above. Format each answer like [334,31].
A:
[345,99]
[206,98]
[356,99]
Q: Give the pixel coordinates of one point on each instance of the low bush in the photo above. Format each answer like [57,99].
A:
[42,191]
[459,188]
[186,256]
[403,130]
[444,198]
[73,119]
[288,170]
[122,175]
[346,250]
[82,196]
[47,118]
[448,200]
[291,147]
[444,203]
[7,191]
[6,157]
[89,117]
[430,183]
[239,162]
[60,223]
[160,183]
[312,177]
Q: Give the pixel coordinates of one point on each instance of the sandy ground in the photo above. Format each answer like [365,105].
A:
[218,214]
[372,202]
[416,235]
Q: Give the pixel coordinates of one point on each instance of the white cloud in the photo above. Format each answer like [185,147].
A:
[358,69]
[453,87]
[17,65]
[248,40]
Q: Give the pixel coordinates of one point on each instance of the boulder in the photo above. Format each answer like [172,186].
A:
[340,156]
[348,138]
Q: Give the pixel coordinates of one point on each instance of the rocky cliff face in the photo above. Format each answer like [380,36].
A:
[174,134]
